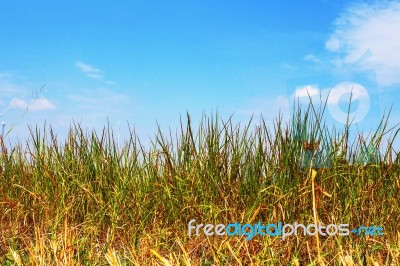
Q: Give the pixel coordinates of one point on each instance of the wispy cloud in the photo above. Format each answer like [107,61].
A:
[312,58]
[39,104]
[288,66]
[373,28]
[92,72]
[89,71]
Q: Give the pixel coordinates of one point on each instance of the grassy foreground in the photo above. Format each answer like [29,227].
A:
[84,201]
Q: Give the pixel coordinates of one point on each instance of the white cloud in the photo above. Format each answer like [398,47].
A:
[87,69]
[332,44]
[346,89]
[17,93]
[94,75]
[39,104]
[307,91]
[312,58]
[92,72]
[288,66]
[375,27]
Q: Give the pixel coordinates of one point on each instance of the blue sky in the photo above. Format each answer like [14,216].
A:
[147,61]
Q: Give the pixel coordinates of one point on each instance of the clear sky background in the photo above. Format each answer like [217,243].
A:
[147,61]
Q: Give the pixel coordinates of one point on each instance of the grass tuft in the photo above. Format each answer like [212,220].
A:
[88,201]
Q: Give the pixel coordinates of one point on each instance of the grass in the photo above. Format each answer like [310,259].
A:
[84,201]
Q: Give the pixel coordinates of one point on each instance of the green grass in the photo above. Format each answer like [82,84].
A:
[83,201]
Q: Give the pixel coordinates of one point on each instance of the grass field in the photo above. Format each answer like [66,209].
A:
[84,201]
